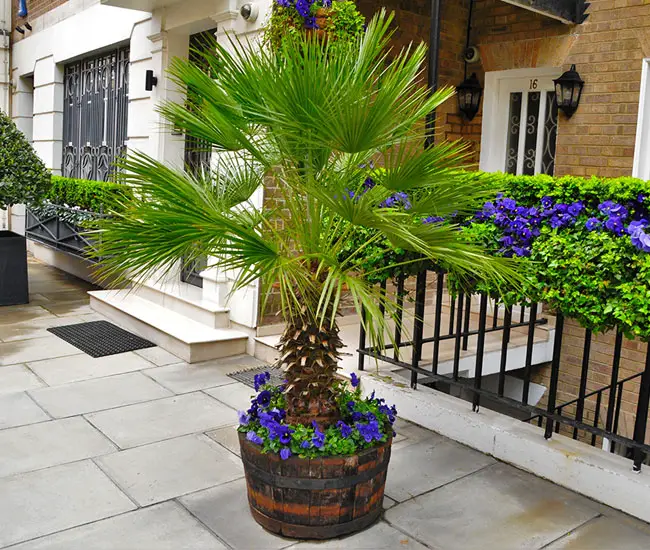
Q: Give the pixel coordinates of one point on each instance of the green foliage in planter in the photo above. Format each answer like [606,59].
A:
[345,23]
[23,176]
[93,196]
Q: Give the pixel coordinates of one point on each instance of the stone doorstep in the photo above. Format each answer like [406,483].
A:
[601,476]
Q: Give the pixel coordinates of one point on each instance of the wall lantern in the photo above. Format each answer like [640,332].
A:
[150,81]
[568,89]
[469,93]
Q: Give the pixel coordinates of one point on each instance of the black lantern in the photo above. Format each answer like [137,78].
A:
[568,89]
[469,93]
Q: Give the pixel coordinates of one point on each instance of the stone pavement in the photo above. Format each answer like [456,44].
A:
[139,451]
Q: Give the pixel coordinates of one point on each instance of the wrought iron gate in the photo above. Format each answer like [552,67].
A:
[95,114]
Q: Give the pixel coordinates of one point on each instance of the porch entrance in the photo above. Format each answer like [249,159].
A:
[520,122]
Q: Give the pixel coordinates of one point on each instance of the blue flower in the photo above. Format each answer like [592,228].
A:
[576,208]
[305,444]
[489,209]
[356,416]
[615,225]
[261,379]
[636,226]
[303,7]
[354,379]
[547,203]
[285,453]
[264,398]
[350,405]
[506,205]
[319,437]
[244,419]
[507,241]
[593,224]
[254,438]
[521,251]
[641,240]
[346,431]
[433,219]
[395,200]
[641,199]
[369,431]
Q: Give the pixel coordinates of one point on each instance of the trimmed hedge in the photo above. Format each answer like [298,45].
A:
[94,196]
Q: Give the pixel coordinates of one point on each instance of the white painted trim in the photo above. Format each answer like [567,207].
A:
[493,135]
[590,471]
[641,167]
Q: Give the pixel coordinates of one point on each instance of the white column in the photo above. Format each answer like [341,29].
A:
[47,133]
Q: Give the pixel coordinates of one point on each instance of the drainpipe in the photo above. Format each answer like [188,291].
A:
[5,69]
[434,58]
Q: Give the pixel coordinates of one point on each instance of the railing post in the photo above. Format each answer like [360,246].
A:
[362,339]
[611,404]
[480,349]
[580,407]
[458,337]
[555,374]
[468,312]
[530,342]
[418,326]
[507,321]
[641,422]
[400,316]
[437,321]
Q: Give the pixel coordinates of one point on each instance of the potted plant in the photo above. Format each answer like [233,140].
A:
[23,180]
[307,123]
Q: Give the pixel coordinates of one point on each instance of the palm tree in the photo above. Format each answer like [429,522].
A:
[308,120]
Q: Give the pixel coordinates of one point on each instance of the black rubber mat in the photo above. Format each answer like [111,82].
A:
[100,338]
[248,376]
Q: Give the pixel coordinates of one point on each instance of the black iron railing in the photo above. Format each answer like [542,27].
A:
[60,227]
[465,323]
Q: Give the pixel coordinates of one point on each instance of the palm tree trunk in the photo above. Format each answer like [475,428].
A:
[309,356]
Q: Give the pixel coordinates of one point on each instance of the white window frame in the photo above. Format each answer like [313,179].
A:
[641,167]
[495,115]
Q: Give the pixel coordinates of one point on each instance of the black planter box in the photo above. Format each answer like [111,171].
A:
[14,287]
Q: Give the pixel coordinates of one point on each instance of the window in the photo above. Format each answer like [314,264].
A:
[520,122]
[95,114]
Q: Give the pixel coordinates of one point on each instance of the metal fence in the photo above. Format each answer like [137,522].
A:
[454,320]
[55,226]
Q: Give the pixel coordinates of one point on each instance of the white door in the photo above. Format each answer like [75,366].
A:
[520,122]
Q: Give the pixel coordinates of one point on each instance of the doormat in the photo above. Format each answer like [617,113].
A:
[100,338]
[248,376]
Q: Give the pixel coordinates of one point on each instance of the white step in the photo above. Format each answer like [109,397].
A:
[187,339]
[187,301]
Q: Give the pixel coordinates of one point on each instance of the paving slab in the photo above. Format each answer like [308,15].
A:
[162,471]
[36,349]
[498,508]
[18,409]
[380,536]
[10,315]
[423,466]
[17,378]
[44,502]
[163,419]
[36,328]
[158,356]
[237,396]
[165,526]
[98,394]
[227,437]
[605,533]
[69,309]
[224,510]
[83,367]
[48,444]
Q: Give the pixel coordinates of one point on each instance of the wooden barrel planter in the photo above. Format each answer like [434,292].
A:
[317,498]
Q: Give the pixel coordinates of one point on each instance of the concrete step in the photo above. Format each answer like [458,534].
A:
[186,301]
[189,340]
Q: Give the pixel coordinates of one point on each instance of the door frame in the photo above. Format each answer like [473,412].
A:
[641,168]
[495,115]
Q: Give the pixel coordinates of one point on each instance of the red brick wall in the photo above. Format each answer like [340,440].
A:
[36,8]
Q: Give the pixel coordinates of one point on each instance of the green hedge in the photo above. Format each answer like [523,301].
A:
[94,196]
[578,261]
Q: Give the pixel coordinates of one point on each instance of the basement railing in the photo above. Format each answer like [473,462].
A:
[591,417]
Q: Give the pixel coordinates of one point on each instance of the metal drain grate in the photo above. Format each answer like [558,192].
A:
[248,376]
[100,338]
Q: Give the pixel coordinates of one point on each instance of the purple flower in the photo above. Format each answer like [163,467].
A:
[319,437]
[547,203]
[636,226]
[354,379]
[489,209]
[641,240]
[576,208]
[305,445]
[264,398]
[395,200]
[254,438]
[303,7]
[346,431]
[521,251]
[356,416]
[615,225]
[350,405]
[433,219]
[506,205]
[285,453]
[369,431]
[244,419]
[283,3]
[641,199]
[261,379]
[593,224]
[507,241]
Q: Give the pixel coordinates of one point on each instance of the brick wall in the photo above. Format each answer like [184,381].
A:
[36,8]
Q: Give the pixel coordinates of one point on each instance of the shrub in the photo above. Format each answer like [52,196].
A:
[94,196]
[23,176]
